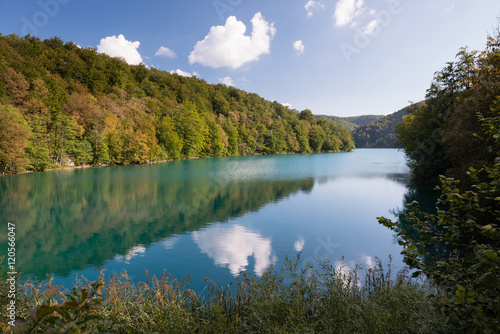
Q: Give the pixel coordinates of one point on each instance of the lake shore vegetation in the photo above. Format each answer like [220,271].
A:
[299,298]
[452,140]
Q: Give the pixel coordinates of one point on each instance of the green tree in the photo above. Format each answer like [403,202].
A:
[168,139]
[191,128]
[308,116]
[14,136]
[38,146]
[302,137]
[466,225]
[213,146]
[63,131]
[317,137]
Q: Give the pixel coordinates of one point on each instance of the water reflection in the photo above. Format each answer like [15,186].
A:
[231,246]
[136,251]
[158,215]
[68,221]
[299,244]
[427,199]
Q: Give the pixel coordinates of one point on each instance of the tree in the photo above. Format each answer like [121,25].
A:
[85,107]
[317,137]
[14,136]
[213,146]
[15,85]
[191,128]
[443,135]
[467,226]
[38,146]
[302,137]
[308,116]
[63,130]
[168,139]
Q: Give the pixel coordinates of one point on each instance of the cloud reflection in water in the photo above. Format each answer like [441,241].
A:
[231,245]
[135,251]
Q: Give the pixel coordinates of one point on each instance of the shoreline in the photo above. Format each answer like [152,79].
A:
[68,167]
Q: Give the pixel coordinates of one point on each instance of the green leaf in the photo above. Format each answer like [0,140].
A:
[70,305]
[487,280]
[42,311]
[83,295]
[491,255]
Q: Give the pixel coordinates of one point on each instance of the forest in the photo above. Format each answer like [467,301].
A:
[63,105]
[380,132]
[451,130]
[452,142]
[352,122]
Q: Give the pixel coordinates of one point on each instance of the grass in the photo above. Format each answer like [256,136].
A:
[297,298]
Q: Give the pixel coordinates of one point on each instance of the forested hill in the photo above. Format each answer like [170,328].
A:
[379,133]
[65,105]
[351,123]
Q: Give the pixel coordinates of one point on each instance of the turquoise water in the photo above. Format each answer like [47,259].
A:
[208,218]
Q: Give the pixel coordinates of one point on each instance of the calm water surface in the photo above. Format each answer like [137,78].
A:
[208,218]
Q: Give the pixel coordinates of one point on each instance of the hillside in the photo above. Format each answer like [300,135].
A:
[350,123]
[65,105]
[363,119]
[379,133]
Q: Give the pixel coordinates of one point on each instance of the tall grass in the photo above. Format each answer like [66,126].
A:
[298,298]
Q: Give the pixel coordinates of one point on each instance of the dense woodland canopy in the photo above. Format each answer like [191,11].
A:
[65,105]
[454,136]
[448,133]
[380,132]
[351,123]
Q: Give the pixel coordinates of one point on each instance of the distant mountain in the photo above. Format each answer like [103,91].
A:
[363,119]
[351,123]
[379,133]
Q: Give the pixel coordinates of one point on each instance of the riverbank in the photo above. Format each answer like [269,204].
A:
[71,167]
[297,298]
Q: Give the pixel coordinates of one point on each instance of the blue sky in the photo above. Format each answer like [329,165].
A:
[335,57]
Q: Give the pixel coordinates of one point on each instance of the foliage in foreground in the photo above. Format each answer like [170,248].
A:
[295,299]
[458,248]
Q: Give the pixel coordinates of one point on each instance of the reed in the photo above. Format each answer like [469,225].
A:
[298,298]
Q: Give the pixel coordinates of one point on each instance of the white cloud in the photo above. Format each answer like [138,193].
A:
[310,5]
[184,73]
[298,46]
[165,52]
[287,105]
[228,46]
[120,47]
[227,81]
[346,11]
[370,27]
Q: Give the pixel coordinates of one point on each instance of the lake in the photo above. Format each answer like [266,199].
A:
[208,218]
